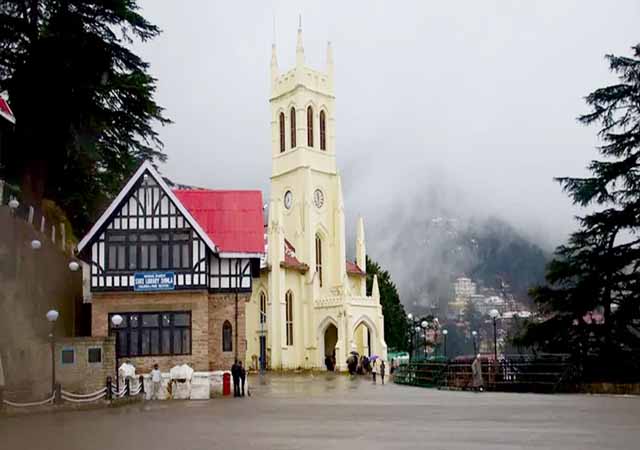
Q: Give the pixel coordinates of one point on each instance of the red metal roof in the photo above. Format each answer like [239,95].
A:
[232,219]
[290,259]
[5,111]
[354,269]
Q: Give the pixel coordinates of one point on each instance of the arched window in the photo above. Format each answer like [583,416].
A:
[319,258]
[263,307]
[227,337]
[293,127]
[289,316]
[323,131]
[310,126]
[281,132]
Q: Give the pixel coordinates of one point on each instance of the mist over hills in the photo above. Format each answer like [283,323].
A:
[426,247]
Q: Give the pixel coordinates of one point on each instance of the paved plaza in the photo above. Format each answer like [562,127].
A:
[332,411]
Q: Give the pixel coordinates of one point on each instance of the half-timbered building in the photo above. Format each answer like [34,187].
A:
[177,266]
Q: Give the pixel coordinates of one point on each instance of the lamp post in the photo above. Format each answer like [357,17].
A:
[424,325]
[116,321]
[52,316]
[444,336]
[474,336]
[494,315]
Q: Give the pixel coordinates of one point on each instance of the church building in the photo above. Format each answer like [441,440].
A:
[309,303]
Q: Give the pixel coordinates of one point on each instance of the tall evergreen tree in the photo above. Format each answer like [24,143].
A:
[83,101]
[395,318]
[597,270]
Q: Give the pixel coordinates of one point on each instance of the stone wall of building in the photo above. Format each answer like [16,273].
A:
[222,307]
[122,302]
[208,314]
[82,376]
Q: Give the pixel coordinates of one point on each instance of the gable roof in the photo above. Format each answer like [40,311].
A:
[231,219]
[145,167]
[354,269]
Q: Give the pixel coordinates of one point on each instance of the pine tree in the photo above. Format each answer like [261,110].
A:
[597,269]
[395,318]
[83,101]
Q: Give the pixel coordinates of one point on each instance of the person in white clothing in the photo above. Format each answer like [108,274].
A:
[156,382]
[374,370]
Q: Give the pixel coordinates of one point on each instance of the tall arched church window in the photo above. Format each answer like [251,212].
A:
[263,307]
[319,258]
[281,132]
[289,316]
[323,131]
[227,337]
[310,126]
[292,119]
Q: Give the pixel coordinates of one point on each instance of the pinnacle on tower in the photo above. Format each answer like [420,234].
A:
[299,47]
[274,63]
[375,289]
[361,252]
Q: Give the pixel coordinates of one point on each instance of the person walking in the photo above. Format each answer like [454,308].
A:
[382,370]
[476,374]
[156,382]
[235,374]
[243,375]
[374,370]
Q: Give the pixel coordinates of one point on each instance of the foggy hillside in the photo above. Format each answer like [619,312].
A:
[427,246]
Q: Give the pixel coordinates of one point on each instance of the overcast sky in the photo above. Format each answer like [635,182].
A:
[474,102]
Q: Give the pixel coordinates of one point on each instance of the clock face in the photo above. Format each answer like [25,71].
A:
[318,198]
[288,199]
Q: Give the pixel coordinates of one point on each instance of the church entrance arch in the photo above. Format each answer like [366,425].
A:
[364,336]
[330,341]
[328,337]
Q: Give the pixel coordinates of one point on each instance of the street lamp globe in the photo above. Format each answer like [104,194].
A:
[36,244]
[410,316]
[417,329]
[116,320]
[52,315]
[474,333]
[445,332]
[424,324]
[614,307]
[74,266]
[494,313]
[13,204]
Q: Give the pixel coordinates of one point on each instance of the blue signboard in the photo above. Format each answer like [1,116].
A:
[154,281]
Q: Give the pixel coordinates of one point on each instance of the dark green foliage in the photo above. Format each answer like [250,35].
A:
[472,316]
[597,269]
[83,100]
[395,317]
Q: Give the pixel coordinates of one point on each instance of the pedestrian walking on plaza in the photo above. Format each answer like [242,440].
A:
[243,375]
[382,370]
[374,370]
[235,374]
[476,374]
[156,382]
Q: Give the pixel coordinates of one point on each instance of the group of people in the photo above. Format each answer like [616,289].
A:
[239,375]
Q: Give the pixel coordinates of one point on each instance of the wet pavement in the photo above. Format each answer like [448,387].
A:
[332,411]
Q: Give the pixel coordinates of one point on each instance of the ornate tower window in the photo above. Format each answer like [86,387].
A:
[323,131]
[310,126]
[293,127]
[227,334]
[289,316]
[263,307]
[281,132]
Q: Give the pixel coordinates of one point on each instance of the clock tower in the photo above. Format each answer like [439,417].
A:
[304,179]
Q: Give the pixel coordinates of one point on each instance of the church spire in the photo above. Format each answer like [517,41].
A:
[299,47]
[329,58]
[274,64]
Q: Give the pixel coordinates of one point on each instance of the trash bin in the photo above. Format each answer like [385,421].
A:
[226,383]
